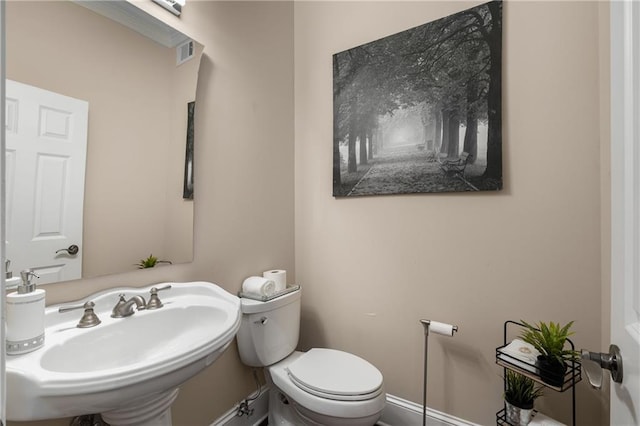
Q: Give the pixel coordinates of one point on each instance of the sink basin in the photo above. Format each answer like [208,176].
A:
[128,369]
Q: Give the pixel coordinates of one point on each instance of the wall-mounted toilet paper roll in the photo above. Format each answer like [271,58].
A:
[441,328]
[278,276]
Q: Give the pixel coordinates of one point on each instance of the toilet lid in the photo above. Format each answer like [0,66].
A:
[333,374]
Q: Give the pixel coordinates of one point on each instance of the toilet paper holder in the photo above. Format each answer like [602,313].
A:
[438,328]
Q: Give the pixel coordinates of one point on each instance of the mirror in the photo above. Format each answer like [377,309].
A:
[136,136]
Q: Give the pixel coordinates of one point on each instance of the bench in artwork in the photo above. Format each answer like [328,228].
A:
[453,167]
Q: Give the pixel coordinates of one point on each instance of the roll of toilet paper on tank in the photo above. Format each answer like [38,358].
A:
[259,285]
[441,328]
[279,276]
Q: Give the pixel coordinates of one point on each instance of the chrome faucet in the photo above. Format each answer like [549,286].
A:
[124,308]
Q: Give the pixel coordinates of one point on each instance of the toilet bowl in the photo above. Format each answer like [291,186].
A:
[318,387]
[330,387]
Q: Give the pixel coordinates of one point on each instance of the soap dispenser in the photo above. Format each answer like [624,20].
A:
[10,281]
[25,316]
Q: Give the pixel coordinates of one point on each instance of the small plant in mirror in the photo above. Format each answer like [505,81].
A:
[150,262]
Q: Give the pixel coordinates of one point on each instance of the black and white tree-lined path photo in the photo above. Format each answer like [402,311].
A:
[421,110]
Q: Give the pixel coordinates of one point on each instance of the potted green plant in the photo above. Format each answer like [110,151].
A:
[549,340]
[519,395]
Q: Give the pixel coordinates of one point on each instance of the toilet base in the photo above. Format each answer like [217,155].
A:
[281,412]
[284,411]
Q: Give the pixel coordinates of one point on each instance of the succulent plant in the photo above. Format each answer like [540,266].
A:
[150,262]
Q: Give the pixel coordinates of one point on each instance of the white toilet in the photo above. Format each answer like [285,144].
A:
[319,387]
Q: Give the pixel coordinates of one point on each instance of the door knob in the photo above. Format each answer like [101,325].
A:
[595,362]
[73,249]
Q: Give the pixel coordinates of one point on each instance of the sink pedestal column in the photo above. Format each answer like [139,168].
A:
[154,410]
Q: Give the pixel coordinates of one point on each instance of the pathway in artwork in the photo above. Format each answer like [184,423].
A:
[405,170]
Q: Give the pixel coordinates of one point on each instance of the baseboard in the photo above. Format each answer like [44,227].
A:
[400,412]
[397,412]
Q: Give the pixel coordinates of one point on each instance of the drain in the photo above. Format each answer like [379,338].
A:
[88,420]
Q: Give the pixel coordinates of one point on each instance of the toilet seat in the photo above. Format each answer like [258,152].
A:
[335,375]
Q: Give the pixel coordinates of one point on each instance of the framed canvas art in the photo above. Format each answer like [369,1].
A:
[421,111]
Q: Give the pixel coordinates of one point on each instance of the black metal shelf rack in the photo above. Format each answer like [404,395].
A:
[572,376]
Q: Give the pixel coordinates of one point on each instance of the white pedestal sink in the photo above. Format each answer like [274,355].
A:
[129,369]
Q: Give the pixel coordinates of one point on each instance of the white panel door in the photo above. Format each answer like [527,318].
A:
[625,213]
[3,381]
[46,137]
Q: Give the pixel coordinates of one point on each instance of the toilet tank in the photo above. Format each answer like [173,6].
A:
[269,331]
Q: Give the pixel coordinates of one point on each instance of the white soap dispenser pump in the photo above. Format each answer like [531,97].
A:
[25,316]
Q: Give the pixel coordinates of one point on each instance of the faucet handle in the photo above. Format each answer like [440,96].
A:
[121,301]
[89,318]
[154,300]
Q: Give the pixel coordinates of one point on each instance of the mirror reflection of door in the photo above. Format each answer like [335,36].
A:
[46,137]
